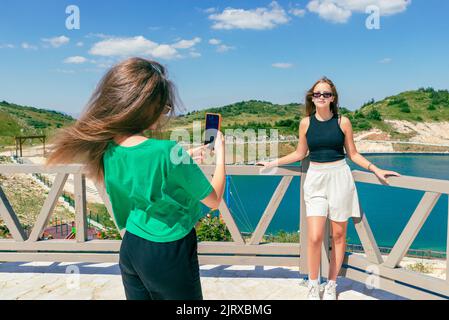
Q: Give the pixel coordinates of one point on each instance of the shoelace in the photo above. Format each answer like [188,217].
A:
[315,290]
[330,286]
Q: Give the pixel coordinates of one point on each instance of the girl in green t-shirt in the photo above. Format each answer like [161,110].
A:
[155,186]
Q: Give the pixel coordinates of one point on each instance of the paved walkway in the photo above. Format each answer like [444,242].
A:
[99,281]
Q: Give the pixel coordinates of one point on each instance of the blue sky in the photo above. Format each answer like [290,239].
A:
[220,52]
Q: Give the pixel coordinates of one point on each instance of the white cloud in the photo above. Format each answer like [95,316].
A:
[339,11]
[7,46]
[65,71]
[123,46]
[97,35]
[27,46]
[256,19]
[220,46]
[194,54]
[80,44]
[187,44]
[386,7]
[329,11]
[210,10]
[385,60]
[165,51]
[224,48]
[282,65]
[75,60]
[56,42]
[139,45]
[104,63]
[214,42]
[297,12]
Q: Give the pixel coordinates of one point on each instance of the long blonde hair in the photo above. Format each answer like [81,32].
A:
[129,99]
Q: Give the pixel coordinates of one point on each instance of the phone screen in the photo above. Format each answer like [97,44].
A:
[212,126]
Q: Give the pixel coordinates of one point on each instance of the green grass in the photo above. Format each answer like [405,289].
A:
[25,120]
[413,106]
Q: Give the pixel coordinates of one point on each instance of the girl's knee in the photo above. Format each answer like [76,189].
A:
[339,236]
[315,239]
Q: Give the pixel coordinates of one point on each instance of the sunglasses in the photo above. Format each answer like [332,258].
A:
[167,109]
[325,95]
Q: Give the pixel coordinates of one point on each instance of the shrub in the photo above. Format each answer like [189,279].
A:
[362,125]
[420,267]
[405,109]
[109,233]
[358,115]
[37,124]
[344,110]
[370,102]
[404,106]
[4,232]
[373,114]
[285,123]
[283,236]
[395,101]
[440,97]
[428,89]
[212,229]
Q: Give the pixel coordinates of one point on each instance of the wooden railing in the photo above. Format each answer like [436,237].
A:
[370,268]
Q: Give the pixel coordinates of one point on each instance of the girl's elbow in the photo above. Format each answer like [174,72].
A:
[300,155]
[219,199]
[215,203]
[353,155]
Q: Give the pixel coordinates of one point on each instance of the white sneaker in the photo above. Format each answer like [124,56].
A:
[330,291]
[314,292]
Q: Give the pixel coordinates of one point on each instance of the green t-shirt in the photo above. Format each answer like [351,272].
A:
[155,189]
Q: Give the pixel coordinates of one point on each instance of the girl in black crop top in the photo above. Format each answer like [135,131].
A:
[326,134]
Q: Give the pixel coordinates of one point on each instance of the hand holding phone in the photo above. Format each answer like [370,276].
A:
[213,125]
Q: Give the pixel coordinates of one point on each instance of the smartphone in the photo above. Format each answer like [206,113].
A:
[213,125]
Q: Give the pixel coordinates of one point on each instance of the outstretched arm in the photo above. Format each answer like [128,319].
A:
[297,155]
[357,158]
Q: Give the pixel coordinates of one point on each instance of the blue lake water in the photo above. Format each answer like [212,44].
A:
[387,209]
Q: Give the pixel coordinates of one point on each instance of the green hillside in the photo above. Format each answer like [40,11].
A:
[424,104]
[253,114]
[24,120]
[415,106]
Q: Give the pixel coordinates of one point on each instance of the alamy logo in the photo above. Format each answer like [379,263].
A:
[73,21]
[373,280]
[73,278]
[373,20]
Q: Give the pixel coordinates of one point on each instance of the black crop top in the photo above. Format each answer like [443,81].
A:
[325,139]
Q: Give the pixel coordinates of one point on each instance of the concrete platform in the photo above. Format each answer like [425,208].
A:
[102,281]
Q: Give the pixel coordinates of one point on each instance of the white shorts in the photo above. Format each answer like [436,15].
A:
[329,188]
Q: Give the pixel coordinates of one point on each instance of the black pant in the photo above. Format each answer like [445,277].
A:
[160,270]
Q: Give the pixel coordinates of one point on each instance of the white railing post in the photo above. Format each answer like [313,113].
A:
[303,268]
[80,207]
